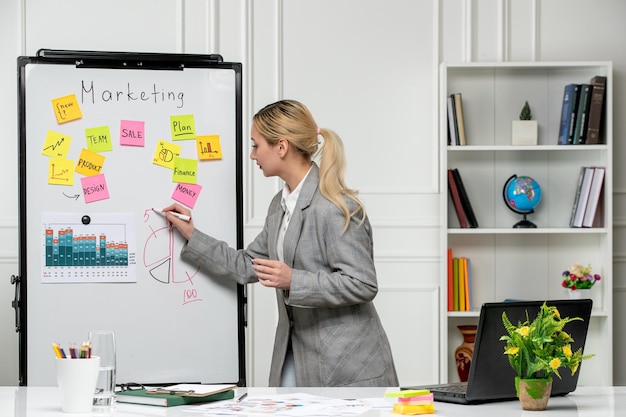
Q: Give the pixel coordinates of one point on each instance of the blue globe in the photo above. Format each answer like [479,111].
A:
[522,194]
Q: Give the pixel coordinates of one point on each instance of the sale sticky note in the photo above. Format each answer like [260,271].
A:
[185,170]
[183,127]
[165,153]
[132,133]
[66,109]
[209,147]
[187,194]
[99,139]
[60,172]
[94,188]
[56,145]
[89,163]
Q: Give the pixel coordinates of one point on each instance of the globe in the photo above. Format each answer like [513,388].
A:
[522,194]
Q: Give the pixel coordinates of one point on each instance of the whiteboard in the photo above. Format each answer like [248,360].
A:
[172,322]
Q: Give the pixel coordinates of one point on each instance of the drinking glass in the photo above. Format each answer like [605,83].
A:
[103,345]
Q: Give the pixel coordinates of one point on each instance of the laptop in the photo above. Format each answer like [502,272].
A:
[491,377]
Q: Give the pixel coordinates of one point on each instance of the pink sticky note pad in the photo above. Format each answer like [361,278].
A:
[132,133]
[426,398]
[94,188]
[187,194]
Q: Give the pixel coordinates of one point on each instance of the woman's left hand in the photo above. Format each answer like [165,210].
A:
[275,274]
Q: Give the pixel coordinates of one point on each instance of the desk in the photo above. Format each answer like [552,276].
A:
[584,402]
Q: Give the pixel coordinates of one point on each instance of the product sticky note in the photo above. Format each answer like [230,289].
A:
[99,139]
[183,127]
[94,188]
[185,170]
[187,194]
[165,153]
[209,147]
[60,172]
[132,133]
[89,163]
[56,145]
[66,109]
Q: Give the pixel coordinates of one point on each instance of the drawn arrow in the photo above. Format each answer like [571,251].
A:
[75,197]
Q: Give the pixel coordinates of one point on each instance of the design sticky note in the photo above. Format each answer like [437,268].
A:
[187,194]
[165,153]
[60,172]
[185,170]
[99,139]
[89,163]
[209,147]
[66,109]
[94,188]
[56,145]
[183,127]
[132,133]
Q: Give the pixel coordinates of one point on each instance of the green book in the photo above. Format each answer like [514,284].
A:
[168,400]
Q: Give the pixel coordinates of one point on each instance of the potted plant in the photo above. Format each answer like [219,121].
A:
[524,130]
[578,280]
[536,350]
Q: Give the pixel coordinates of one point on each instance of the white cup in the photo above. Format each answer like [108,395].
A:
[103,345]
[77,380]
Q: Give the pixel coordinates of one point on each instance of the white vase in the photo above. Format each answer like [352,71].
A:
[579,293]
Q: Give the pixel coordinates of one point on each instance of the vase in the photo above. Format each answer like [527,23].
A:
[464,352]
[533,394]
[579,294]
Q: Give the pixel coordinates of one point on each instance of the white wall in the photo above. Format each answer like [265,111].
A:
[367,69]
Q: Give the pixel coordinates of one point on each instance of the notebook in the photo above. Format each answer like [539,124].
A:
[491,377]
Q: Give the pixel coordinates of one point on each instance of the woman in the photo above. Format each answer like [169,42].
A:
[316,249]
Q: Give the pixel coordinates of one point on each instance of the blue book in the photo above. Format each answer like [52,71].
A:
[568,114]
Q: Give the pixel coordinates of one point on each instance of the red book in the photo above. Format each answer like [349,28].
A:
[456,200]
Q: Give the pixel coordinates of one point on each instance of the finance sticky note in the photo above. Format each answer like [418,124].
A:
[132,133]
[56,145]
[187,194]
[99,139]
[183,127]
[94,188]
[66,109]
[165,153]
[209,147]
[60,172]
[185,170]
[89,163]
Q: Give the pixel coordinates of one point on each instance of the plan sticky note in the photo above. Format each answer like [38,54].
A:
[185,170]
[60,172]
[89,163]
[209,147]
[187,194]
[94,188]
[99,139]
[66,109]
[165,153]
[132,133]
[183,127]
[56,145]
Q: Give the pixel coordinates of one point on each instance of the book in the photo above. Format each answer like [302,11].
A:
[465,201]
[462,289]
[580,129]
[596,110]
[470,302]
[169,400]
[581,175]
[581,206]
[568,112]
[594,196]
[460,123]
[453,130]
[466,277]
[455,284]
[450,281]
[456,200]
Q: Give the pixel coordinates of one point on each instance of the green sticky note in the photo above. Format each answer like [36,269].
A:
[99,139]
[183,127]
[185,170]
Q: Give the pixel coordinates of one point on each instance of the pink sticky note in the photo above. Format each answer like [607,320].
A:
[132,133]
[187,194]
[94,188]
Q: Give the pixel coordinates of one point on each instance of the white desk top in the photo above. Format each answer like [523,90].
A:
[584,402]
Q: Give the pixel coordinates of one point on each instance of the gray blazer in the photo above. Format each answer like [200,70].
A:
[337,337]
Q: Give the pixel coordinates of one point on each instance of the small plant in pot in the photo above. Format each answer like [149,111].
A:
[524,130]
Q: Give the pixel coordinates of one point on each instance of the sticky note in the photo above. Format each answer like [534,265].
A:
[412,410]
[209,147]
[187,194]
[60,172]
[132,133]
[407,393]
[89,163]
[185,170]
[418,399]
[56,145]
[66,109]
[94,188]
[183,127]
[99,139]
[165,153]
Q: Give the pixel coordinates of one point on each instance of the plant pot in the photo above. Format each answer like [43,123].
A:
[579,293]
[533,394]
[524,132]
[464,352]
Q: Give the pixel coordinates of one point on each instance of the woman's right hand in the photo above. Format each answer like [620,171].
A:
[185,227]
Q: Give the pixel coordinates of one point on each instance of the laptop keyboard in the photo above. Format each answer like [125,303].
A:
[451,388]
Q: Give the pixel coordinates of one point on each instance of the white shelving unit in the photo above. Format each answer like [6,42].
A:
[509,263]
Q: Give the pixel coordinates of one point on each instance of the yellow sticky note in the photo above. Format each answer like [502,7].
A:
[165,153]
[66,108]
[185,170]
[99,139]
[183,127]
[90,163]
[60,172]
[209,147]
[407,393]
[56,145]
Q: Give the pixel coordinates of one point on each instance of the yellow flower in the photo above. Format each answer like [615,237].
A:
[556,313]
[524,330]
[555,363]
[511,351]
[567,351]
[564,335]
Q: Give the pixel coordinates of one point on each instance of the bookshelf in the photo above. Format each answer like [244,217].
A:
[508,263]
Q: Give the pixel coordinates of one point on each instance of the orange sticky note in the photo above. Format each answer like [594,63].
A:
[209,147]
[60,172]
[165,153]
[183,127]
[66,109]
[56,145]
[89,163]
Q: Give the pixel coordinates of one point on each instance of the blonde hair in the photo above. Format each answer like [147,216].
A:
[292,121]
